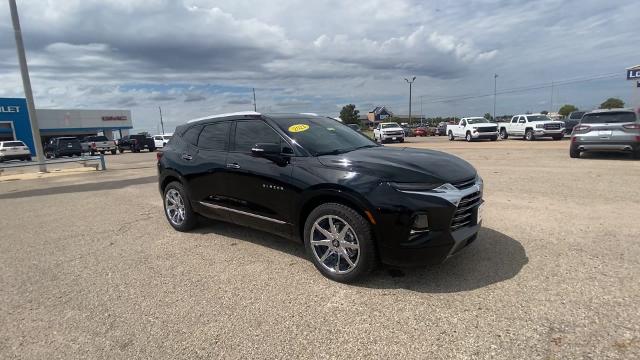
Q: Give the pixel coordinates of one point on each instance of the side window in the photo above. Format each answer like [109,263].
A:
[463,123]
[215,136]
[249,133]
[157,137]
[191,135]
[514,119]
[522,120]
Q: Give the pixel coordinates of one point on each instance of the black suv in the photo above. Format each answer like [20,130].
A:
[312,178]
[136,143]
[62,146]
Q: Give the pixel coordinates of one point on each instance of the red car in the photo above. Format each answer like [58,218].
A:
[420,132]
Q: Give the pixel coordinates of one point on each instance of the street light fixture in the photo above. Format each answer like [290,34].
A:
[410,86]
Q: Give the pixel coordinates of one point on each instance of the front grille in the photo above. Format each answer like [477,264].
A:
[464,213]
[488,129]
[394,133]
[552,126]
[461,185]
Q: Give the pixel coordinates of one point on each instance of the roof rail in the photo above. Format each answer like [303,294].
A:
[312,114]
[239,113]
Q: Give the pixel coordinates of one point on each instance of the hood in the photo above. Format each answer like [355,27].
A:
[549,121]
[479,125]
[403,164]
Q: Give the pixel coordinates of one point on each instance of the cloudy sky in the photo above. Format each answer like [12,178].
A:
[198,57]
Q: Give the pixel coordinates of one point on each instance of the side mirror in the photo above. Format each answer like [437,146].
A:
[266,149]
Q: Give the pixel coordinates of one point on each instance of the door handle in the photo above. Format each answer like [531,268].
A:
[187,157]
[233,166]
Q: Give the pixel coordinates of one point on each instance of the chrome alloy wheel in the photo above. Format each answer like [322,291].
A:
[174,206]
[335,244]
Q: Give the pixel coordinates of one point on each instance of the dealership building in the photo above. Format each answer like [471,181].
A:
[15,124]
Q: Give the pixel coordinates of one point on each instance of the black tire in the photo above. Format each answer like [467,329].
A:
[113,152]
[574,153]
[190,217]
[401,140]
[557,138]
[29,159]
[366,260]
[468,137]
[102,152]
[528,135]
[636,153]
[504,135]
[152,150]
[121,150]
[494,138]
[451,137]
[92,152]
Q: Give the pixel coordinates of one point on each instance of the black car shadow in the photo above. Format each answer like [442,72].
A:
[612,155]
[492,258]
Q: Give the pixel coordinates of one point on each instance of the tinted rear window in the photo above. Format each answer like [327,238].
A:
[66,141]
[215,136]
[98,138]
[576,115]
[13,144]
[191,135]
[609,118]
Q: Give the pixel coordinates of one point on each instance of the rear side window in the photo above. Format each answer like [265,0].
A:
[215,136]
[609,118]
[191,135]
[576,115]
[249,133]
[13,144]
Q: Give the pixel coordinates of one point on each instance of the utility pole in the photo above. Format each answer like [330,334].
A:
[161,122]
[26,84]
[551,101]
[495,93]
[255,106]
[410,86]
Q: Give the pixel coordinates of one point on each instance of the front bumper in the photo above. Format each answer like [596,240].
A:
[394,216]
[543,132]
[392,137]
[484,135]
[6,157]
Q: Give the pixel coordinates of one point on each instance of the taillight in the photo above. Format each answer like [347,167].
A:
[632,126]
[159,155]
[581,129]
[93,145]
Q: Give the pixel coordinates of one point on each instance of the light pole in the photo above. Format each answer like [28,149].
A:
[255,106]
[410,86]
[26,84]
[495,87]
[161,122]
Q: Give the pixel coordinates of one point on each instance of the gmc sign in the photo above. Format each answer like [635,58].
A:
[114,118]
[633,74]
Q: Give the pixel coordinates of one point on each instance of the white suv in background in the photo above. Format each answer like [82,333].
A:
[12,150]
[161,140]
[388,132]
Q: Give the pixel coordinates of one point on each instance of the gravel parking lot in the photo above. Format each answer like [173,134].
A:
[90,268]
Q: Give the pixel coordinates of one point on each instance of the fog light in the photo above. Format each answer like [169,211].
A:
[420,222]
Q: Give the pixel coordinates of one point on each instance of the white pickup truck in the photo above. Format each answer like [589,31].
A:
[101,144]
[472,128]
[388,132]
[532,126]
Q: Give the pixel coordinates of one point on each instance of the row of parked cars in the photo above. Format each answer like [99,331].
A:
[72,146]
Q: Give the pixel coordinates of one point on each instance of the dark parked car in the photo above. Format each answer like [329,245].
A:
[408,132]
[136,143]
[572,120]
[441,130]
[62,146]
[350,200]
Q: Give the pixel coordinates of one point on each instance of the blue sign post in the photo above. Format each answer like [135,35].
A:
[15,112]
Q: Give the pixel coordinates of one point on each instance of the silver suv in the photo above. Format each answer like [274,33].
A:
[607,130]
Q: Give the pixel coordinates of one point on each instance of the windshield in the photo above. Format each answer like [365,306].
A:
[167,137]
[322,136]
[538,118]
[609,117]
[389,126]
[13,144]
[477,121]
[576,115]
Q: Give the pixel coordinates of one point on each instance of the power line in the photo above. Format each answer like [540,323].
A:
[439,99]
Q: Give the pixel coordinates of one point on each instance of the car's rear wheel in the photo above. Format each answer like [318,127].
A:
[574,153]
[178,209]
[451,137]
[557,138]
[339,242]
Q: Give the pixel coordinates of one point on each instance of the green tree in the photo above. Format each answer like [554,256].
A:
[567,109]
[488,116]
[349,114]
[612,103]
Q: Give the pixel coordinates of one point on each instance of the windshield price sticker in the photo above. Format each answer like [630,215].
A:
[298,128]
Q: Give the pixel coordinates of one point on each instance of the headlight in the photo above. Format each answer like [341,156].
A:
[414,186]
[539,126]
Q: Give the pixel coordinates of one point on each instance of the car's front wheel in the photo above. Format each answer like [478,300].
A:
[451,137]
[468,137]
[503,134]
[177,208]
[339,242]
[528,135]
